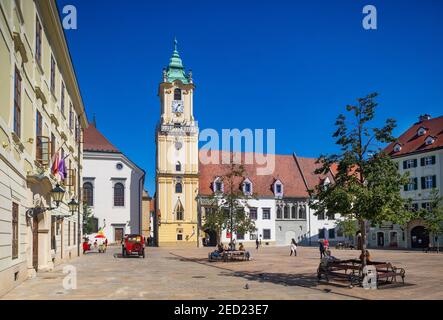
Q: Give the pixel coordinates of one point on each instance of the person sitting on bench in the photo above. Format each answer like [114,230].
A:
[217,253]
[242,248]
[368,256]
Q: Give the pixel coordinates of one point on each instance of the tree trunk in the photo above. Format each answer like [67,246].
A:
[363,240]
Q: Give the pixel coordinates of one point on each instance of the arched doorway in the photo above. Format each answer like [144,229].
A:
[380,239]
[419,237]
[211,238]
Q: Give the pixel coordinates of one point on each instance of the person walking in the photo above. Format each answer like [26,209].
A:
[293,248]
[321,246]
[257,243]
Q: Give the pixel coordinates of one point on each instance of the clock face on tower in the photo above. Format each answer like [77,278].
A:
[177,106]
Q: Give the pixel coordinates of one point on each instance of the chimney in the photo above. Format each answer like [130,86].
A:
[424,117]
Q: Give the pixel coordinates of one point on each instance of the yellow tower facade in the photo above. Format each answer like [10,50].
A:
[177,158]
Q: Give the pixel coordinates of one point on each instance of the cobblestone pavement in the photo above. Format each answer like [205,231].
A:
[171,273]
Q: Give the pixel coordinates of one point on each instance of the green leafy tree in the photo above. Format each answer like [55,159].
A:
[349,226]
[367,184]
[228,206]
[433,218]
[88,220]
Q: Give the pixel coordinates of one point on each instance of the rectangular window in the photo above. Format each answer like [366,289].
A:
[62,99]
[38,41]
[69,233]
[14,230]
[71,117]
[331,216]
[179,234]
[429,182]
[240,236]
[321,216]
[17,102]
[253,213]
[331,233]
[278,188]
[38,134]
[411,163]
[321,233]
[426,206]
[266,234]
[266,213]
[427,161]
[247,187]
[293,212]
[53,142]
[52,75]
[252,236]
[412,185]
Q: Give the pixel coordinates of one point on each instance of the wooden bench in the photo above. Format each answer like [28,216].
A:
[352,271]
[229,255]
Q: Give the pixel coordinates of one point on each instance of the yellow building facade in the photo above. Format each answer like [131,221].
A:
[41,112]
[177,158]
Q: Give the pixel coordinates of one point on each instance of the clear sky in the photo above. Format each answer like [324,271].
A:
[287,65]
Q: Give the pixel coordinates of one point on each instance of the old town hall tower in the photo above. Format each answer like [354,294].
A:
[176,157]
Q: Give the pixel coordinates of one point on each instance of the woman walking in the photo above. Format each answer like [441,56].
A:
[293,248]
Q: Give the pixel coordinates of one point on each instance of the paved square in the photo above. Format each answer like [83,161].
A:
[171,273]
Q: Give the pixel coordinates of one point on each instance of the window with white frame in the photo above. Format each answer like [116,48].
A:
[278,189]
[218,185]
[428,161]
[266,234]
[279,213]
[266,213]
[428,182]
[253,213]
[247,187]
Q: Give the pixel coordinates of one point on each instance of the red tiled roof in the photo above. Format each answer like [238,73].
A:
[285,170]
[412,143]
[94,140]
[308,167]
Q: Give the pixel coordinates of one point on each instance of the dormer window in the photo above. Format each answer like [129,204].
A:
[218,185]
[421,131]
[278,189]
[430,140]
[397,147]
[326,183]
[247,187]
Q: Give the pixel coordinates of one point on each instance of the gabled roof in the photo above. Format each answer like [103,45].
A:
[286,170]
[95,141]
[411,142]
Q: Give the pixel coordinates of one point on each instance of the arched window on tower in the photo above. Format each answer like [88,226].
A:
[177,94]
[179,212]
[178,187]
[88,193]
[178,166]
[119,195]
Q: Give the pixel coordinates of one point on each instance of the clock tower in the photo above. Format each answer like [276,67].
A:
[176,157]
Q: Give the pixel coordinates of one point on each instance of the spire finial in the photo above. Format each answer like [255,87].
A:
[175,44]
[94,121]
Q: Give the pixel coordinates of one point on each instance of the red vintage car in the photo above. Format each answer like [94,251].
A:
[133,244]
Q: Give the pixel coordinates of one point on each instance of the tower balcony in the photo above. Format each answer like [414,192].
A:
[178,129]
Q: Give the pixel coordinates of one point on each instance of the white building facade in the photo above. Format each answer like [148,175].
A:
[418,152]
[112,187]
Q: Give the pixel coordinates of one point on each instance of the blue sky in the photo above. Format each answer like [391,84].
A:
[287,65]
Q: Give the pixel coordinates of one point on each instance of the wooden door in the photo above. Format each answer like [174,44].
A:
[118,235]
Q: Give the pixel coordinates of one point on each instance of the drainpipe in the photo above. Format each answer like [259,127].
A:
[79,224]
[140,207]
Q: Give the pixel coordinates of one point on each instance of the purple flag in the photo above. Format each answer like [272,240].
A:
[62,169]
